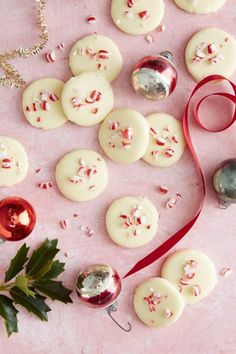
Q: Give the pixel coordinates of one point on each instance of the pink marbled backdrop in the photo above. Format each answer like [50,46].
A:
[207,327]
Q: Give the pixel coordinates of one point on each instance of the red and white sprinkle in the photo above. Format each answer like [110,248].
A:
[7,163]
[153,131]
[175,139]
[38,170]
[196,290]
[91,232]
[144,14]
[168,313]
[45,185]
[113,125]
[226,272]
[169,152]
[128,14]
[125,145]
[150,38]
[216,59]
[64,224]
[61,46]
[171,203]
[211,48]
[131,3]
[46,106]
[91,19]
[161,141]
[75,179]
[161,28]
[103,54]
[184,281]
[50,57]
[53,97]
[127,133]
[163,190]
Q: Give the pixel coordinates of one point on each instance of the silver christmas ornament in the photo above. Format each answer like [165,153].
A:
[155,76]
[224,182]
[99,286]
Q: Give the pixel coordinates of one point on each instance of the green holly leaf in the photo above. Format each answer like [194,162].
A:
[56,269]
[54,289]
[40,257]
[9,313]
[35,305]
[17,263]
[44,270]
[22,284]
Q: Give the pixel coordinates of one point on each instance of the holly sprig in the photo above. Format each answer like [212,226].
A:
[30,281]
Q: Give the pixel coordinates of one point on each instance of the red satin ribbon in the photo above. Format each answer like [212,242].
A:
[174,239]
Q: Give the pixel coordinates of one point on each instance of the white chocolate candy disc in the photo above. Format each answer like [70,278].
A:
[192,273]
[124,135]
[13,162]
[42,105]
[96,53]
[81,175]
[167,142]
[211,51]
[137,16]
[87,99]
[200,6]
[132,221]
[157,303]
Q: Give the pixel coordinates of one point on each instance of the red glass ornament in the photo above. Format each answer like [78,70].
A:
[17,219]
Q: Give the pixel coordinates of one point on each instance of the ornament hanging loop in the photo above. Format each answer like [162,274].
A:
[113,308]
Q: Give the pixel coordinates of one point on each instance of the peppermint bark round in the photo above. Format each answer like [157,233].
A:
[211,51]
[191,272]
[96,53]
[200,6]
[13,162]
[132,221]
[157,303]
[124,135]
[167,143]
[87,99]
[137,16]
[41,103]
[81,175]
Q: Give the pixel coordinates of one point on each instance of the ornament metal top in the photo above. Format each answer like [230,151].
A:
[155,76]
[224,182]
[99,286]
[17,219]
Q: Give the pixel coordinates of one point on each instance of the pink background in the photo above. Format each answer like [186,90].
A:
[207,327]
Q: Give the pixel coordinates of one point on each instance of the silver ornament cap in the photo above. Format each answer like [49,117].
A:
[224,182]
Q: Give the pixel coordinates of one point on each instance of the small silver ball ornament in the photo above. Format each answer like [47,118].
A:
[224,182]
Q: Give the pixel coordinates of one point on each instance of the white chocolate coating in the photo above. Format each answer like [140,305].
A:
[165,133]
[200,6]
[81,175]
[157,303]
[13,162]
[78,102]
[88,55]
[128,20]
[124,135]
[225,54]
[189,271]
[44,110]
[132,221]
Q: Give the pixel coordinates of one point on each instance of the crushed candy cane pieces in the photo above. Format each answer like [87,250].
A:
[226,272]
[45,185]
[50,57]
[150,38]
[91,19]
[64,224]
[168,313]
[163,190]
[197,290]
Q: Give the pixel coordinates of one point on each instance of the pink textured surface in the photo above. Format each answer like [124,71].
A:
[207,327]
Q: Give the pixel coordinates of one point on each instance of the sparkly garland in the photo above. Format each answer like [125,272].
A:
[12,77]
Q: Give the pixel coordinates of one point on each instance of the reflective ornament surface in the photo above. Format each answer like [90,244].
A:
[155,76]
[17,219]
[98,286]
[224,182]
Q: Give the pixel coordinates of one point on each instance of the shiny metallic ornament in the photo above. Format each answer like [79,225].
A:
[155,76]
[99,286]
[224,182]
[17,219]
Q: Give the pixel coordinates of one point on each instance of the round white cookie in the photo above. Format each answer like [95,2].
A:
[87,98]
[124,135]
[13,162]
[200,6]
[157,303]
[81,175]
[41,104]
[132,221]
[137,16]
[96,53]
[211,51]
[192,273]
[167,142]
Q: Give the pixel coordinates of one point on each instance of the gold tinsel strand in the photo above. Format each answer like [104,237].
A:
[12,77]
